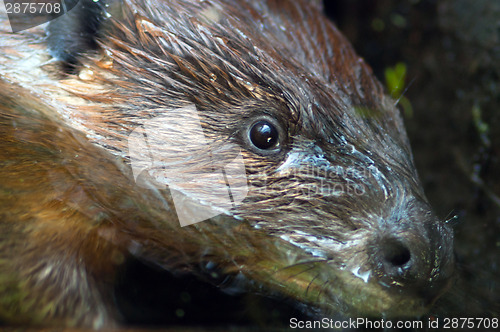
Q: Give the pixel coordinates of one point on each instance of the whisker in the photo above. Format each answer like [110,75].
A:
[304,263]
[453,220]
[404,91]
[321,289]
[310,283]
[310,266]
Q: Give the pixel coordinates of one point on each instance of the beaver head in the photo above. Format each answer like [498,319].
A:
[332,211]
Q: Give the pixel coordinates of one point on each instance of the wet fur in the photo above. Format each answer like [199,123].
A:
[236,61]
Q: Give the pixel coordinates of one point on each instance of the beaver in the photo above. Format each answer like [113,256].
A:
[116,102]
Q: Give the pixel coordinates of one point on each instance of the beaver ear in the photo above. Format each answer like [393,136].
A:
[75,33]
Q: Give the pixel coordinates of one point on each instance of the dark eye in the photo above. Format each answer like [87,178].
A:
[264,135]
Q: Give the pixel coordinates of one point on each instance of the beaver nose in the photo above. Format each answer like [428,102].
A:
[413,264]
[395,258]
[405,261]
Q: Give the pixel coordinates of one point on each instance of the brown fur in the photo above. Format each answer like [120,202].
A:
[68,194]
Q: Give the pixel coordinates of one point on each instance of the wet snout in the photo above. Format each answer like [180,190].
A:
[415,260]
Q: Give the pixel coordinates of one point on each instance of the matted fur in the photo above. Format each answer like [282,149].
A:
[318,212]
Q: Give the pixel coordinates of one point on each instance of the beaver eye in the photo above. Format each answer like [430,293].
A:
[264,135]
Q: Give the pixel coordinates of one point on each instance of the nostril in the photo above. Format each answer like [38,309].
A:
[412,263]
[395,256]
